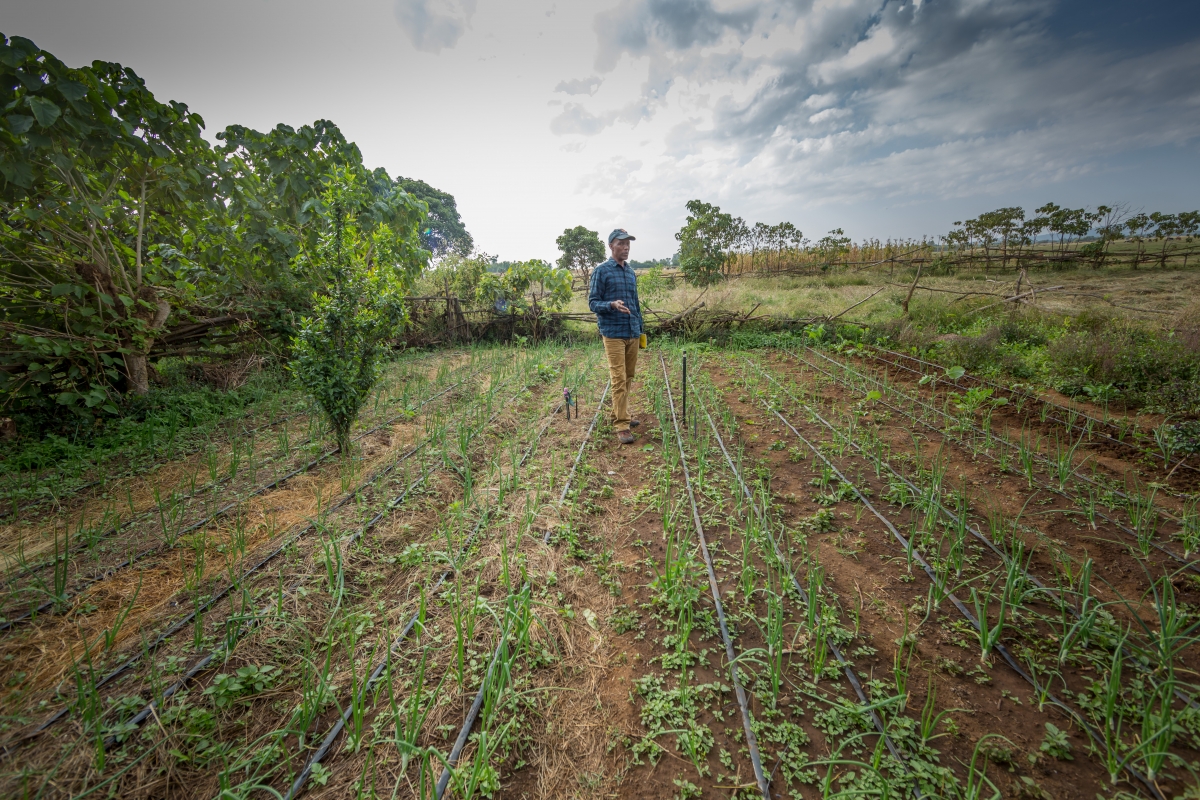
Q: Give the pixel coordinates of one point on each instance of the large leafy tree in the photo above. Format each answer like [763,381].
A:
[105,190]
[126,236]
[443,230]
[581,250]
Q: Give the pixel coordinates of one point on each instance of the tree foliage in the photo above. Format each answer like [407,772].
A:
[107,197]
[581,250]
[126,236]
[526,286]
[708,242]
[371,265]
[443,231]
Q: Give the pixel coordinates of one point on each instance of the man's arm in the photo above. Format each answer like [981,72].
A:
[596,290]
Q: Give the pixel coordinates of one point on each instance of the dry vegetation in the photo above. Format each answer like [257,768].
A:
[932,584]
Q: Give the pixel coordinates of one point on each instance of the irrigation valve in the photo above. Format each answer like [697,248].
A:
[568,401]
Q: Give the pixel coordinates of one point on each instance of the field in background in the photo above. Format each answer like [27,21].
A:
[1115,335]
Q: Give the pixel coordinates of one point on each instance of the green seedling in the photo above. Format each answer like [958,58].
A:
[1056,744]
[989,635]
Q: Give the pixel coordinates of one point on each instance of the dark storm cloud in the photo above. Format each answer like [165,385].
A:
[944,94]
[635,26]
[432,25]
[586,86]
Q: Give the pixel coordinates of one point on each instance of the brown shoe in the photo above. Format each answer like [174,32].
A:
[625,437]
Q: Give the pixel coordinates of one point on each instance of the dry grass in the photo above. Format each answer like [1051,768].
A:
[1171,290]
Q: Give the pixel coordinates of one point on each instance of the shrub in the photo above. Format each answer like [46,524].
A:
[338,351]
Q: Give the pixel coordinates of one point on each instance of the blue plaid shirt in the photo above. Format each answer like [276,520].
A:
[612,281]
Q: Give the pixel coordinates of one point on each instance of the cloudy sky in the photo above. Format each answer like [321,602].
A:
[888,119]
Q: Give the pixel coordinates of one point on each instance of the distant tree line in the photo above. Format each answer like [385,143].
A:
[715,244]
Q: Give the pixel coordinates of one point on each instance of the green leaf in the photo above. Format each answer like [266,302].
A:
[19,123]
[72,90]
[59,289]
[954,373]
[45,111]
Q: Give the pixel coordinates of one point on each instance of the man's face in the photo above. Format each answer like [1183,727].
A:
[620,249]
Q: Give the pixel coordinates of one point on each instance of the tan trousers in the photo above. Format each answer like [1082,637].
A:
[622,360]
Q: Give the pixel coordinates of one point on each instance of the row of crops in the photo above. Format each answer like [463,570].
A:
[818,573]
[254,619]
[917,585]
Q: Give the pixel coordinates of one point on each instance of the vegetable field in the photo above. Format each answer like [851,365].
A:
[821,571]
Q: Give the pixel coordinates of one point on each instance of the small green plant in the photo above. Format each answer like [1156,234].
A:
[1057,744]
[228,688]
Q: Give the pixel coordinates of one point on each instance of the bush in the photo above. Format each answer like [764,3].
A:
[338,352]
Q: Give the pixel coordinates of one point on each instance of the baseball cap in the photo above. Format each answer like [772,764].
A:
[620,233]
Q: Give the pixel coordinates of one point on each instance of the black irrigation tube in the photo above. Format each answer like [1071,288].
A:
[802,592]
[211,486]
[751,742]
[221,512]
[215,598]
[336,729]
[1187,564]
[1075,716]
[202,663]
[473,713]
[1084,429]
[954,518]
[89,484]
[98,481]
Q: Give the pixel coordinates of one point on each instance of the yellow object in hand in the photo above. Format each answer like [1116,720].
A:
[642,342]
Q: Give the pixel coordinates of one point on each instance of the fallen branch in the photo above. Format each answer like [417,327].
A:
[912,288]
[856,305]
[1014,298]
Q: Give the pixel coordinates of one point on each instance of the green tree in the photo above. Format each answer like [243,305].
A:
[459,276]
[581,250]
[1139,227]
[338,352]
[706,243]
[832,247]
[442,231]
[104,190]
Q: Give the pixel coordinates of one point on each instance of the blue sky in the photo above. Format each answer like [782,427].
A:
[887,119]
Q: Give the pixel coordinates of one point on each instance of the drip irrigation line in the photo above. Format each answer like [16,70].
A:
[245,432]
[1026,395]
[336,729]
[802,592]
[1187,564]
[106,478]
[751,742]
[473,712]
[1075,716]
[215,598]
[1005,560]
[211,486]
[196,668]
[218,514]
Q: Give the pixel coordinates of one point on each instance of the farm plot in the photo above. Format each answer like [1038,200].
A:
[814,575]
[226,578]
[1068,615]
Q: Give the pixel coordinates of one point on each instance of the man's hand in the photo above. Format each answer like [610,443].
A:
[619,305]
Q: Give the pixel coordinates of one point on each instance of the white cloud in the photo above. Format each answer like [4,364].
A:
[586,86]
[433,25]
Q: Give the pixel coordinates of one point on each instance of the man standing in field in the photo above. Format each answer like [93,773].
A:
[613,298]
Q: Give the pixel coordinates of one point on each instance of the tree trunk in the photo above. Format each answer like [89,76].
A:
[137,366]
